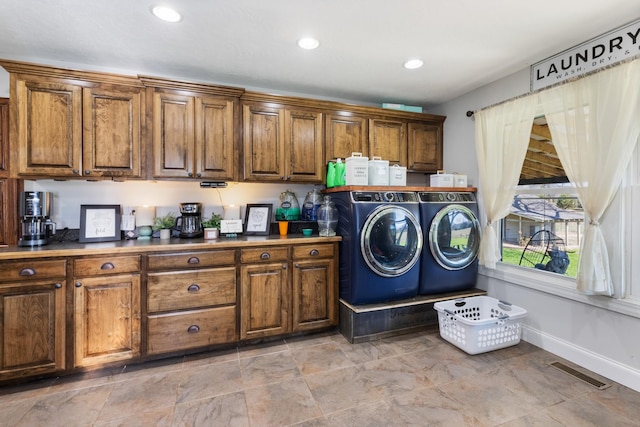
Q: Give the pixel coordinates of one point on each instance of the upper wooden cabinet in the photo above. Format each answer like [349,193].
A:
[388,140]
[4,137]
[281,142]
[193,129]
[346,134]
[424,147]
[74,124]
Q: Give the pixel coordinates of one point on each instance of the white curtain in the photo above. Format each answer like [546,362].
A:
[502,138]
[595,125]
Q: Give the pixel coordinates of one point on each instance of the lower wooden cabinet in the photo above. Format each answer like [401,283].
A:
[107,319]
[32,318]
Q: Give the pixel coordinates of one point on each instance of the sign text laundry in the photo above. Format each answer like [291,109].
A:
[614,46]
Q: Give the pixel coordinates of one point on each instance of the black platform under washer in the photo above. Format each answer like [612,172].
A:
[381,245]
[452,232]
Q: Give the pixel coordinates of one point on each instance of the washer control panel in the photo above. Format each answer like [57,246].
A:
[384,197]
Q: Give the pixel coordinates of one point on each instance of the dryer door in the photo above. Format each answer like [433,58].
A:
[454,237]
[391,240]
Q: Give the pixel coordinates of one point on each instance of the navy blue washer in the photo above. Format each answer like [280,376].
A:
[381,245]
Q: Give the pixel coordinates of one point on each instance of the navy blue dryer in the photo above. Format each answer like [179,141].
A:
[452,232]
[381,245]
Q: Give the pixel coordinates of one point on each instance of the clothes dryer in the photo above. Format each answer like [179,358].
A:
[381,245]
[452,233]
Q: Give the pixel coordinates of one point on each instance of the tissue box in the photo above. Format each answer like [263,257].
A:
[356,170]
[442,180]
[459,180]
[397,175]
[378,171]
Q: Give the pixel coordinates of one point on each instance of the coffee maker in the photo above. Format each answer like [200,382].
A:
[189,224]
[35,221]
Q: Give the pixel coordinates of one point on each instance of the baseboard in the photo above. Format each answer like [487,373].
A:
[596,363]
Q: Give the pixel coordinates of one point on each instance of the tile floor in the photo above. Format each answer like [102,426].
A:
[323,380]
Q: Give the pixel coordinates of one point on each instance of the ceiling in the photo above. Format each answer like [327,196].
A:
[464,44]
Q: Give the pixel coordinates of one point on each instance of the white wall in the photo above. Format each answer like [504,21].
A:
[600,340]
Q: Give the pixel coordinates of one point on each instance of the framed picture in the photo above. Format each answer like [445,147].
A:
[99,223]
[257,219]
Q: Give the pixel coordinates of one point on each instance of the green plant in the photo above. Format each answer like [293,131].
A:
[213,222]
[164,222]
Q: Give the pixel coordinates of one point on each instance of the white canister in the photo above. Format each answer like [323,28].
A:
[356,172]
[378,171]
[398,175]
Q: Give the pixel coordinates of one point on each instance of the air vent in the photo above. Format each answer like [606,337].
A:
[579,375]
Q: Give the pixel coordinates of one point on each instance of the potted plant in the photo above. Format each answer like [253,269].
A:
[164,224]
[211,226]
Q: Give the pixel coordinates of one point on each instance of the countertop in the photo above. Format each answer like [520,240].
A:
[56,249]
[396,188]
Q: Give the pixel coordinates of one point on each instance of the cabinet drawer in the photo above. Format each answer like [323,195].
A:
[26,270]
[190,289]
[191,259]
[322,250]
[265,254]
[106,265]
[191,329]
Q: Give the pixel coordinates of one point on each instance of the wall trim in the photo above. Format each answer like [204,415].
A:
[606,367]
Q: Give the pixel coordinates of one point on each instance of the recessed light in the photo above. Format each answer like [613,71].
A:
[166,13]
[308,43]
[412,64]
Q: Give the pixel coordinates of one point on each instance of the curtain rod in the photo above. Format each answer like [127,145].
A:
[471,113]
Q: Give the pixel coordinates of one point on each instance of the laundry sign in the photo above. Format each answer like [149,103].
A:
[614,46]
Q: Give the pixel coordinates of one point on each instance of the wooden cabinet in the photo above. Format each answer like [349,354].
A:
[106,309]
[282,143]
[191,300]
[388,140]
[32,317]
[194,130]
[74,124]
[345,134]
[424,147]
[315,293]
[265,298]
[9,188]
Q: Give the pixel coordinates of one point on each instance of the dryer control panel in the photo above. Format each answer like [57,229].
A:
[384,197]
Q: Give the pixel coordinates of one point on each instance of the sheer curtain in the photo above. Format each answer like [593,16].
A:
[595,125]
[502,138]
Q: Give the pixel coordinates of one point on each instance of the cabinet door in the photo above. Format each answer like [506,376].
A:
[345,135]
[49,128]
[173,135]
[304,161]
[4,137]
[112,127]
[263,143]
[214,138]
[107,319]
[388,140]
[314,294]
[32,326]
[264,300]
[424,147]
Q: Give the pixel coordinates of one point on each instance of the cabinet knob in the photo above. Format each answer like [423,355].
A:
[76,172]
[78,284]
[265,255]
[193,329]
[314,252]
[193,288]
[198,174]
[57,285]
[190,174]
[193,260]
[87,172]
[107,266]
[27,272]
[284,266]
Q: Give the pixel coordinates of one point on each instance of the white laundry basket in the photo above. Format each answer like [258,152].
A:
[480,324]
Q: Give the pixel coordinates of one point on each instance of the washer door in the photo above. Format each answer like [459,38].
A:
[391,240]
[454,237]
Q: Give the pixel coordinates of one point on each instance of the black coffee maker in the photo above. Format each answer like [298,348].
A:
[189,224]
[35,218]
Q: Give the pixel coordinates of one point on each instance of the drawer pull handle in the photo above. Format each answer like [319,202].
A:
[107,266]
[27,272]
[193,260]
[314,252]
[265,255]
[193,329]
[193,288]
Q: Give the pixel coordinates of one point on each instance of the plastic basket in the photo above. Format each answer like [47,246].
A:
[480,324]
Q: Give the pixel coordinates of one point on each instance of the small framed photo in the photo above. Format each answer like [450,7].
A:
[257,219]
[99,223]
